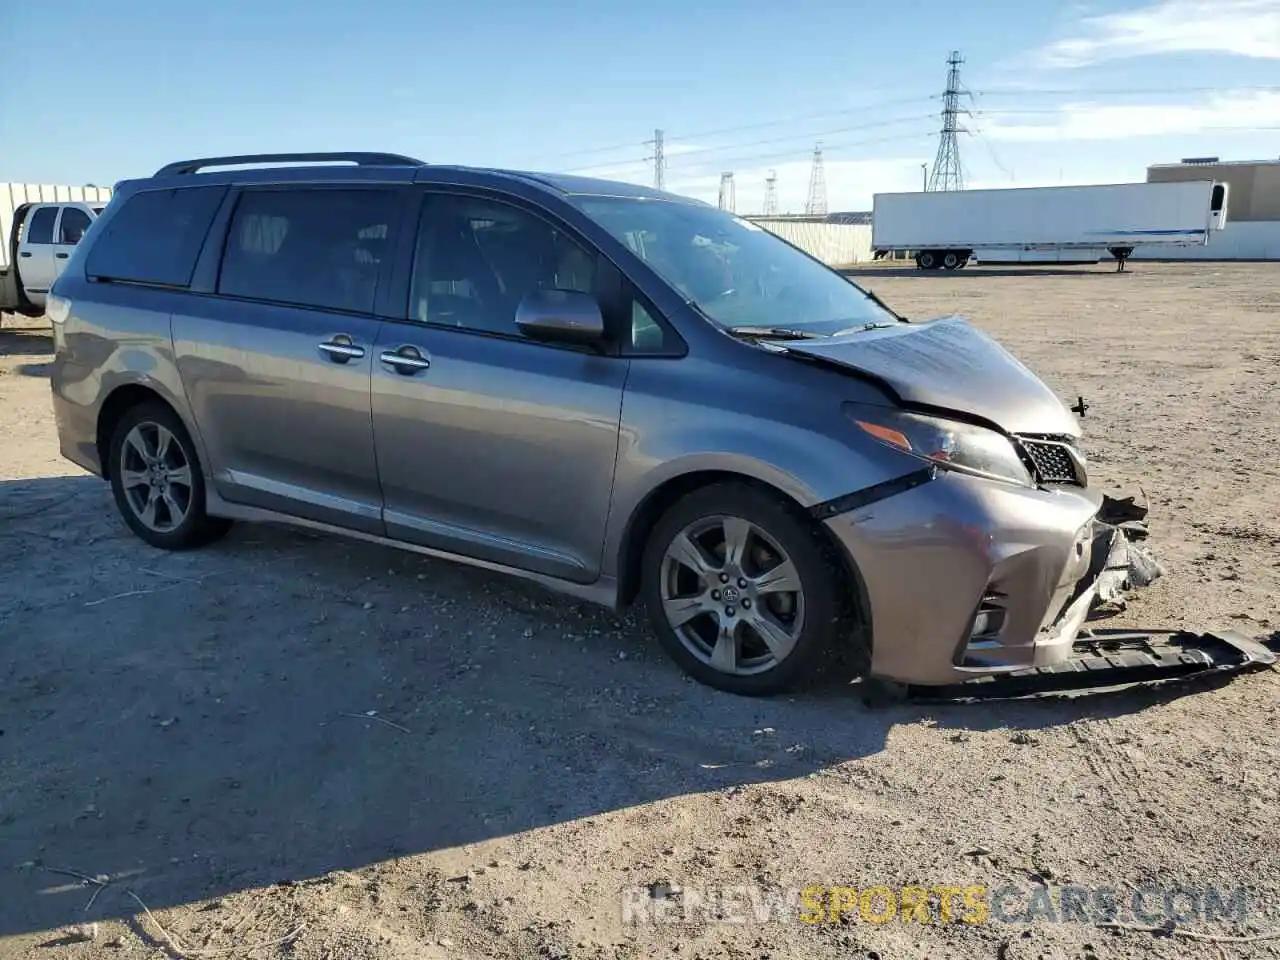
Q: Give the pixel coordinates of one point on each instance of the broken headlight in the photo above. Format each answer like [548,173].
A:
[949,443]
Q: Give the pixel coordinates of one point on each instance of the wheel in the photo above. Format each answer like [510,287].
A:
[157,480]
[951,260]
[743,592]
[927,260]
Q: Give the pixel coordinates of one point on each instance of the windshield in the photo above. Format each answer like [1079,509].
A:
[735,272]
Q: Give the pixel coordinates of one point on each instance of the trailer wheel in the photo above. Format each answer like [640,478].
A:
[951,260]
[927,260]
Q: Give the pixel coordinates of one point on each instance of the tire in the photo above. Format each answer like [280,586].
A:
[172,484]
[951,260]
[684,570]
[927,260]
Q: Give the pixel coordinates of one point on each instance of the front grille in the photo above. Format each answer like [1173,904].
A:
[1053,460]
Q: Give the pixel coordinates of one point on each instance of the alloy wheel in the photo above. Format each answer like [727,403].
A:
[155,474]
[732,595]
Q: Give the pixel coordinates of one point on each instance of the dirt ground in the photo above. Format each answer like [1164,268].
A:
[293,746]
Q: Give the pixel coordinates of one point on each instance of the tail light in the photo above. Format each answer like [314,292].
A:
[57,308]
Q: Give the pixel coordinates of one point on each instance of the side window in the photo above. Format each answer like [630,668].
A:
[155,237]
[477,259]
[73,224]
[310,247]
[40,229]
[646,334]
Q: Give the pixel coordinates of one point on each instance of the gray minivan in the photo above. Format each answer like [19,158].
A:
[614,391]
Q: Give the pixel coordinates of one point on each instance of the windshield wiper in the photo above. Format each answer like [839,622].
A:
[864,327]
[773,333]
[871,295]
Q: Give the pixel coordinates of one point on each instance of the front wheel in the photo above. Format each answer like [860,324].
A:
[157,481]
[742,592]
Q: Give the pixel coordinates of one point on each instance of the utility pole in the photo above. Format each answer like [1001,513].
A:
[727,199]
[659,162]
[924,176]
[816,204]
[947,172]
[771,194]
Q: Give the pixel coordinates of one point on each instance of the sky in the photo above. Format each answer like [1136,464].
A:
[1057,93]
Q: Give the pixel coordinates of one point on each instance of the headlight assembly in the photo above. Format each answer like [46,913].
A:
[952,444]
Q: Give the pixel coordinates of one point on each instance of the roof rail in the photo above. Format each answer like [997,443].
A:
[362,159]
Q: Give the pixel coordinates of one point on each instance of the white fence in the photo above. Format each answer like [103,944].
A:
[1238,240]
[835,244]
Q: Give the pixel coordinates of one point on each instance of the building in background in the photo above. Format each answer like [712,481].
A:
[1253,207]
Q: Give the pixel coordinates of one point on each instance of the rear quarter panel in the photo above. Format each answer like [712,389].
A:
[119,337]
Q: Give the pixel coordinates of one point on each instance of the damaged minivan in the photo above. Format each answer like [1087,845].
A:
[619,393]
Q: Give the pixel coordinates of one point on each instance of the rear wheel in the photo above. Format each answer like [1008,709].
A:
[157,480]
[742,592]
[952,260]
[927,260]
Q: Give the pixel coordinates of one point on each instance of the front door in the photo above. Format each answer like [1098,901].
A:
[489,444]
[72,225]
[276,364]
[35,251]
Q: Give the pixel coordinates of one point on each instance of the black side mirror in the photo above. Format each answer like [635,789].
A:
[560,316]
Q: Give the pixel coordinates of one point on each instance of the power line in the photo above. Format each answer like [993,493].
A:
[992,91]
[757,125]
[827,149]
[679,157]
[1111,92]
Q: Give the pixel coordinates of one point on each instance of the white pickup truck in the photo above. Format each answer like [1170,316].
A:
[38,236]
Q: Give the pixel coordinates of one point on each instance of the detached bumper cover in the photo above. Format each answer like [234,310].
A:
[1111,659]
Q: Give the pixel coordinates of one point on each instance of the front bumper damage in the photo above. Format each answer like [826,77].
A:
[979,589]
[1111,659]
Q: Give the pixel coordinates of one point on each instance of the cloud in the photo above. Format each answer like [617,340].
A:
[1239,111]
[1244,28]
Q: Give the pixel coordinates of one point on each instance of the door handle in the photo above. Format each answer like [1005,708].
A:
[340,349]
[25,253]
[407,360]
[62,256]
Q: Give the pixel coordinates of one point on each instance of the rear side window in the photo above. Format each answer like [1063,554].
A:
[155,237]
[309,247]
[73,224]
[41,228]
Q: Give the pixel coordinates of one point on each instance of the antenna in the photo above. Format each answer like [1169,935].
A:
[816,204]
[659,162]
[771,194]
[727,198]
[947,172]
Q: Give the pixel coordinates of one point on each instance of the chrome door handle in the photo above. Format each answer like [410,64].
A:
[407,360]
[340,349]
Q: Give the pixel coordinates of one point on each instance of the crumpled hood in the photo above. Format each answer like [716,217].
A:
[951,364]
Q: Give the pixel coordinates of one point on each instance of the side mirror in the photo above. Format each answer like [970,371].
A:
[560,316]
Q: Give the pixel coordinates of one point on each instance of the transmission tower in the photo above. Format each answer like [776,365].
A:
[659,162]
[771,194]
[816,204]
[727,198]
[947,172]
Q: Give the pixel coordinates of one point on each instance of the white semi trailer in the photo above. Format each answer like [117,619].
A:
[947,229]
